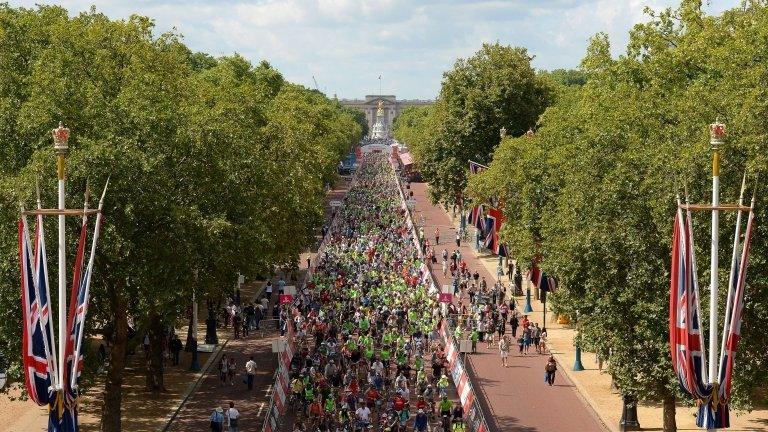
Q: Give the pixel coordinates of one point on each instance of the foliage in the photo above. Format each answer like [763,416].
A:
[597,185]
[206,159]
[495,88]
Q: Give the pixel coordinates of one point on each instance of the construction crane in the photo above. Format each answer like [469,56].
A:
[316,86]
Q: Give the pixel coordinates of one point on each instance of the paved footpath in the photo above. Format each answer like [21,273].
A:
[519,399]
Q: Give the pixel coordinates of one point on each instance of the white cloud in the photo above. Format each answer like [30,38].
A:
[347,44]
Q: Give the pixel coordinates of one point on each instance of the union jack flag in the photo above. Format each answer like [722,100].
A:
[77,308]
[732,333]
[39,365]
[686,340]
[476,168]
[476,217]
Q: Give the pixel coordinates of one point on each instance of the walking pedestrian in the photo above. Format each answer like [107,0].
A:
[437,235]
[550,368]
[232,417]
[514,323]
[217,420]
[504,350]
[250,371]
[223,370]
[231,369]
[458,239]
[176,347]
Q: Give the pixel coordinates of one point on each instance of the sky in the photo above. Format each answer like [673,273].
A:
[347,44]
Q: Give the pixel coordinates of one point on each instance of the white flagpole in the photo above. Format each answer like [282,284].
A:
[694,271]
[89,271]
[716,132]
[733,276]
[49,330]
[60,138]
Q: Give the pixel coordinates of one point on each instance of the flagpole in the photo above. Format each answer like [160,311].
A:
[733,275]
[717,131]
[60,138]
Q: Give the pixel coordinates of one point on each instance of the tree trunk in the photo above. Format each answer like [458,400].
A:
[188,345]
[156,349]
[113,392]
[670,425]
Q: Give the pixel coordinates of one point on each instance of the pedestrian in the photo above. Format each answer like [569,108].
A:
[437,235]
[232,417]
[536,334]
[549,369]
[268,289]
[217,420]
[146,344]
[231,369]
[458,239]
[236,325]
[521,344]
[250,371]
[527,338]
[281,286]
[258,315]
[499,271]
[543,345]
[223,370]
[176,347]
[474,336]
[504,350]
[445,267]
[514,323]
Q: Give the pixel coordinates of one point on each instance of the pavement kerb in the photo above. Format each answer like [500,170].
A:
[192,388]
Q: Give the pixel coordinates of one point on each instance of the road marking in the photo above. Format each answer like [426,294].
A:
[261,408]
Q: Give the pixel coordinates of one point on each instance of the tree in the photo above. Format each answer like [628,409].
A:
[495,88]
[608,159]
[205,158]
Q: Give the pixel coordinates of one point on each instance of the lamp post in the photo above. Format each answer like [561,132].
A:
[577,365]
[629,420]
[60,140]
[528,308]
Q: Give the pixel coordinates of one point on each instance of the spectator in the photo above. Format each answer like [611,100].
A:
[250,371]
[233,415]
[217,420]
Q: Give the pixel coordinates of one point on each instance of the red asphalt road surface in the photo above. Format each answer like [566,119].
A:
[519,399]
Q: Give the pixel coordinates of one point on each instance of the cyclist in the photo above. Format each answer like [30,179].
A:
[457,421]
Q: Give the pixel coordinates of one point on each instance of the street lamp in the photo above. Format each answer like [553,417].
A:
[528,308]
[577,365]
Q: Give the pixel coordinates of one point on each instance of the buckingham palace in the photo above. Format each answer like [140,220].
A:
[391,106]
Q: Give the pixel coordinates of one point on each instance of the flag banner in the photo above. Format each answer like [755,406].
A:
[490,233]
[476,168]
[44,299]
[497,216]
[37,360]
[687,346]
[535,275]
[75,321]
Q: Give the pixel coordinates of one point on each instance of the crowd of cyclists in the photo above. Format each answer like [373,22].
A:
[366,326]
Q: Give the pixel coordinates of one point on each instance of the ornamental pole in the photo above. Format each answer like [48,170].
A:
[60,138]
[716,134]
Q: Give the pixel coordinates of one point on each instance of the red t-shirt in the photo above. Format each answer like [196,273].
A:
[372,395]
[399,403]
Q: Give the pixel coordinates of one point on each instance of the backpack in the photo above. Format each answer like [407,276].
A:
[550,367]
